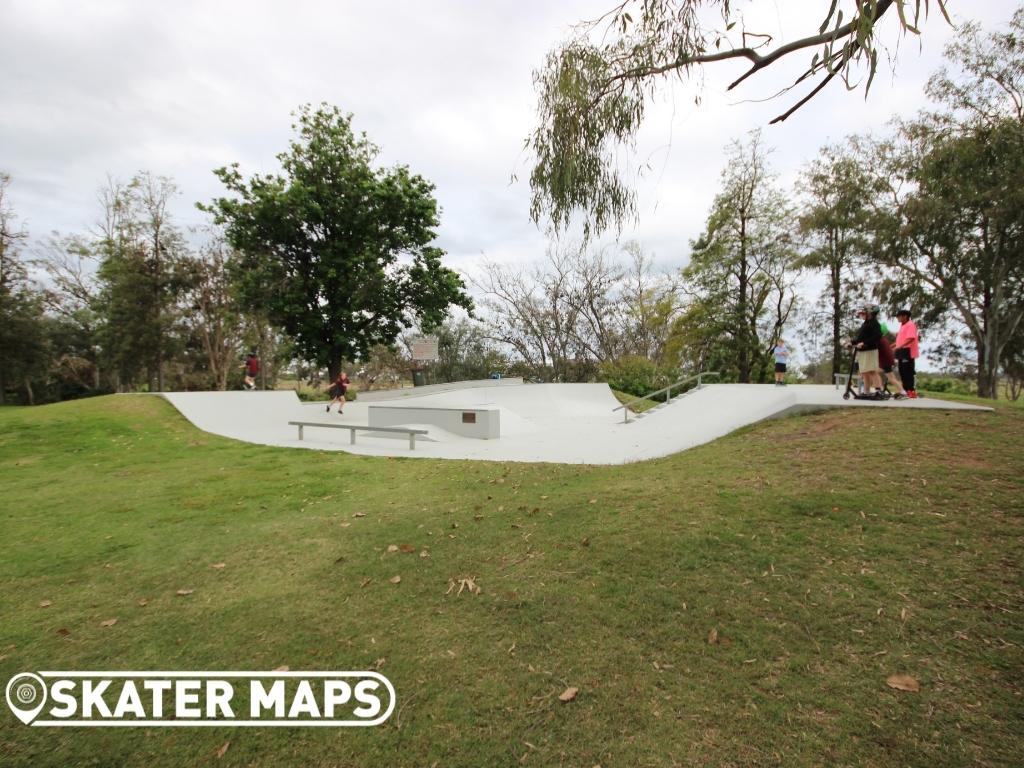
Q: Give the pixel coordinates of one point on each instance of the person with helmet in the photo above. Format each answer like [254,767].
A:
[866,343]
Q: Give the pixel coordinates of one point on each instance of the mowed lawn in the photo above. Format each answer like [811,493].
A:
[740,604]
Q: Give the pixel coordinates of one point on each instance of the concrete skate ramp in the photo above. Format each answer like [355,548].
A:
[255,417]
[564,423]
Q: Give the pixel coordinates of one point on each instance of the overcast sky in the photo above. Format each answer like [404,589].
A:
[179,88]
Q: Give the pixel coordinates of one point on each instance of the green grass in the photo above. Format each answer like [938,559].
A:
[827,552]
[639,406]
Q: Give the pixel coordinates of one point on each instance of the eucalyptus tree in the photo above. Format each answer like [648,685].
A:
[143,274]
[594,88]
[23,344]
[950,221]
[741,274]
[835,190]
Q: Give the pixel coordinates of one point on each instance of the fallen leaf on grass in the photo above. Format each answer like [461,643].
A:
[222,750]
[143,602]
[395,579]
[463,584]
[63,632]
[392,548]
[568,694]
[359,514]
[184,592]
[903,683]
[424,553]
[406,549]
[45,604]
[713,637]
[283,668]
[379,662]
[218,566]
[108,623]
[365,581]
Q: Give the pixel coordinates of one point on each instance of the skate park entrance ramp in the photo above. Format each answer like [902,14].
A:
[562,423]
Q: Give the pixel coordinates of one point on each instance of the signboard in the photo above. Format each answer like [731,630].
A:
[424,348]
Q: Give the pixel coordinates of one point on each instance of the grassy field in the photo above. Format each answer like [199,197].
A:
[740,604]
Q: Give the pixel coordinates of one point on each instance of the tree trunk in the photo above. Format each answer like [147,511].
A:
[743,357]
[334,365]
[837,309]
[29,393]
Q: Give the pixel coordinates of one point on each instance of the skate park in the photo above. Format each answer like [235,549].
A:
[510,420]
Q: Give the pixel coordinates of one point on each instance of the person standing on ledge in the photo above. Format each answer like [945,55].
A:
[781,352]
[907,351]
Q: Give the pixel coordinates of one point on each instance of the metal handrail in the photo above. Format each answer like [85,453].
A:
[668,389]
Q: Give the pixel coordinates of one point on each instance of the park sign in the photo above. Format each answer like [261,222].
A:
[424,348]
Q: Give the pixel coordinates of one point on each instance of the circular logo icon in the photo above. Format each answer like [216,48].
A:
[26,695]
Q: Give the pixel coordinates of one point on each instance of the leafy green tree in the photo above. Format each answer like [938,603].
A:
[1013,365]
[833,219]
[465,353]
[24,351]
[956,243]
[951,220]
[740,275]
[594,88]
[335,250]
[215,317]
[72,299]
[143,274]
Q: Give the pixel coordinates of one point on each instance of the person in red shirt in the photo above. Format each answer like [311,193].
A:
[337,391]
[887,362]
[907,351]
[252,370]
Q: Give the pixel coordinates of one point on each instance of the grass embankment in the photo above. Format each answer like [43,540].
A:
[820,554]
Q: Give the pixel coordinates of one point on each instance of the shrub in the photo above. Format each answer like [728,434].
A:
[634,375]
[943,384]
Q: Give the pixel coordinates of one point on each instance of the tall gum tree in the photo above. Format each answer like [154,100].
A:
[950,221]
[740,276]
[833,220]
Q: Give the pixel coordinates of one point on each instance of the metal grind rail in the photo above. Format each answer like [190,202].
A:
[667,390]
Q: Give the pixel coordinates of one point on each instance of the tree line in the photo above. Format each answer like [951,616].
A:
[928,217]
[331,262]
[320,263]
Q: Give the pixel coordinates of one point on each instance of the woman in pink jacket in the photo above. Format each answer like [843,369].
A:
[907,351]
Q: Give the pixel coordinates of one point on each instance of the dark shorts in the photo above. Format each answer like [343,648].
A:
[780,367]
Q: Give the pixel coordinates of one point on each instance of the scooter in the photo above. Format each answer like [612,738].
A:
[883,395]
